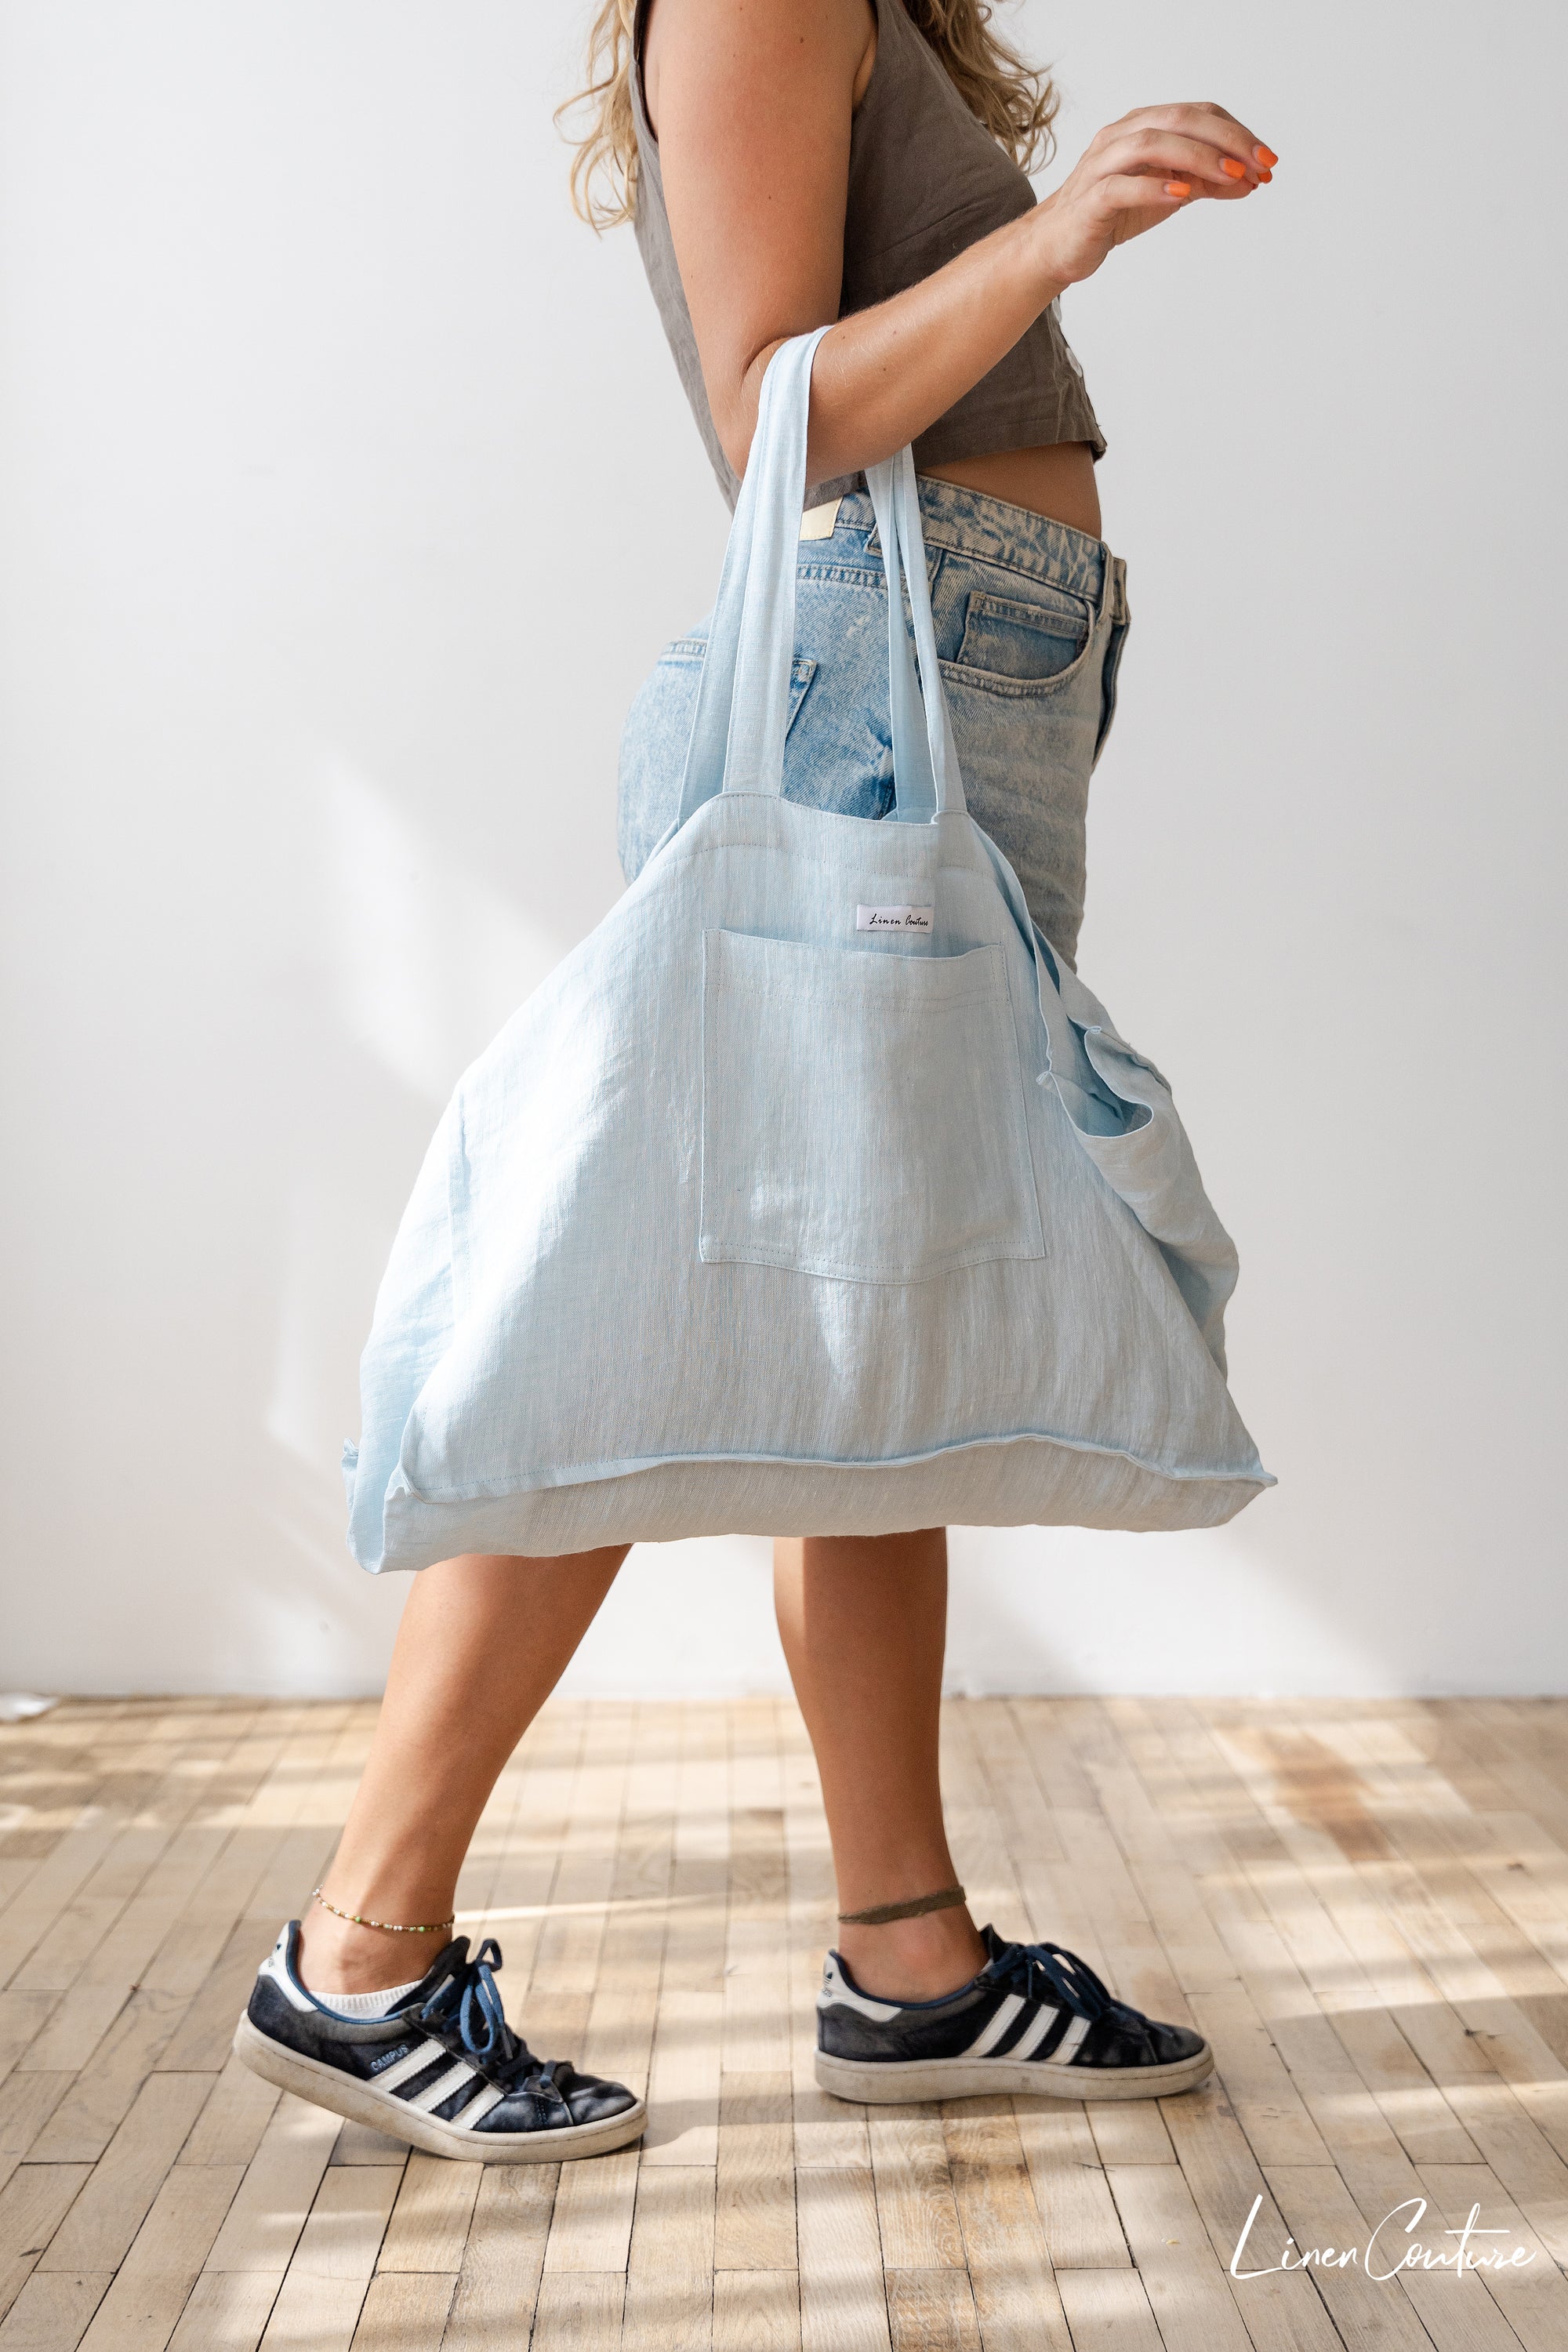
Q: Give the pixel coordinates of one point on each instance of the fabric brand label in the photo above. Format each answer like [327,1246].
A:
[895,919]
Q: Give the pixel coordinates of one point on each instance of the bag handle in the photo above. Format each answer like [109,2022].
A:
[926,778]
[743,701]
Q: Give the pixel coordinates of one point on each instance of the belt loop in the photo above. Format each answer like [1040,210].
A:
[1107,583]
[1112,603]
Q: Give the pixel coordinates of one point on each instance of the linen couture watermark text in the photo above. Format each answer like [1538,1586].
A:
[1382,2255]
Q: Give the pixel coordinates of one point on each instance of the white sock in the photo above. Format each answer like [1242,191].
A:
[366,2004]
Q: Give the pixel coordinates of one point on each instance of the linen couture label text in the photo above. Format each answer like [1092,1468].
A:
[895,919]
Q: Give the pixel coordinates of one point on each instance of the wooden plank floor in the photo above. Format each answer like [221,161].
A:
[1364,1906]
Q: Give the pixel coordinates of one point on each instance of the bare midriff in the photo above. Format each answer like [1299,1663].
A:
[1057,480]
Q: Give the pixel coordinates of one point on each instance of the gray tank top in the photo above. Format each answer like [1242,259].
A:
[925,181]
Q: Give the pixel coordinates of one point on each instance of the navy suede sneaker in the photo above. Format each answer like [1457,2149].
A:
[1035,2019]
[442,2070]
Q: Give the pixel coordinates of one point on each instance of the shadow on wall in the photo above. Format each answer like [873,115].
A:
[409,961]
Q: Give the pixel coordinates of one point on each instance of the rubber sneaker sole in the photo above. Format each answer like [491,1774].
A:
[890,2082]
[360,2103]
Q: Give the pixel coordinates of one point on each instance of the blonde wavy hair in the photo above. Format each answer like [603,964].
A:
[1016,102]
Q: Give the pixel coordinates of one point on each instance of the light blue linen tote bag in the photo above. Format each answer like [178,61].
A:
[812,1195]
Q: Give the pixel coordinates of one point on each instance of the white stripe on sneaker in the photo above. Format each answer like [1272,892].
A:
[479,2105]
[444,2086]
[1067,2047]
[1034,2033]
[417,2059]
[991,2034]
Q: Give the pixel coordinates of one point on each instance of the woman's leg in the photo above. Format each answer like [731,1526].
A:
[483,1642]
[864,1624]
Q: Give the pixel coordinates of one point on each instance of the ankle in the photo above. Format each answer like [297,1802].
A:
[913,1959]
[336,1956]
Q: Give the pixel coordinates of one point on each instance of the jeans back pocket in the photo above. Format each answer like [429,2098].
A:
[862,1112]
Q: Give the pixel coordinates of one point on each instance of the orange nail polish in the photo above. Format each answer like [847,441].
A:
[1178,187]
[1236,171]
[1265,177]
[1267,157]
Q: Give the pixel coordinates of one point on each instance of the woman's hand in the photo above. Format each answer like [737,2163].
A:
[1135,174]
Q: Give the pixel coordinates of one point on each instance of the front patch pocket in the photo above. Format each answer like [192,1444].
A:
[862,1112]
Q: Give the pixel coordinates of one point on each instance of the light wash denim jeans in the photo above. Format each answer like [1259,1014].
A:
[1031,618]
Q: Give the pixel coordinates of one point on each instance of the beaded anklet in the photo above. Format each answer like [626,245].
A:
[387,1926]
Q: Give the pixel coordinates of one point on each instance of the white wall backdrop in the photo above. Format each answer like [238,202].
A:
[345,494]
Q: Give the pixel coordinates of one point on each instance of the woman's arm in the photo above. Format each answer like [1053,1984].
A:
[752,102]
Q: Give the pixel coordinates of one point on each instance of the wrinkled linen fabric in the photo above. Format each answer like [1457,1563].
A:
[763,1216]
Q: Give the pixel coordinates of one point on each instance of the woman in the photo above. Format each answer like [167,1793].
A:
[812,159]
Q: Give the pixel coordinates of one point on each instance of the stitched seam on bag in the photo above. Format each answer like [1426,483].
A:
[1021,1074]
[817,864]
[457,1252]
[989,948]
[808,992]
[594,1473]
[986,985]
[833,1270]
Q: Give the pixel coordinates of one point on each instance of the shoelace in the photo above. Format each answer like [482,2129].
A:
[1047,1973]
[468,1999]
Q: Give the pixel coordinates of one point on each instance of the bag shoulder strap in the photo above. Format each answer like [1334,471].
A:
[743,701]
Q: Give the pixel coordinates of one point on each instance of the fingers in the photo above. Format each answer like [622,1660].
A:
[1128,192]
[1208,126]
[1173,155]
